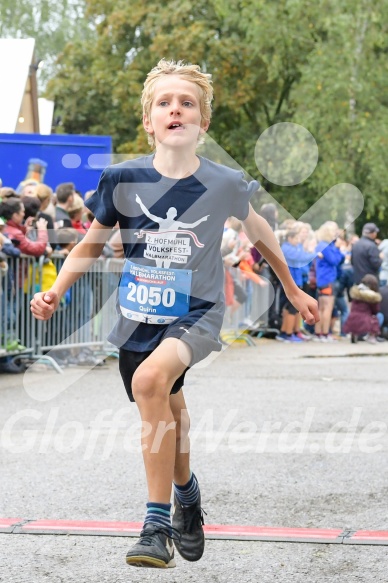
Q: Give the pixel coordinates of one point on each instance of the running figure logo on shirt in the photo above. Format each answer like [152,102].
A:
[166,245]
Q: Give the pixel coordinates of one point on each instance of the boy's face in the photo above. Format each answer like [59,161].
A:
[175,118]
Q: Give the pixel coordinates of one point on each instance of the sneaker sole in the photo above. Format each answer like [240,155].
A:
[189,558]
[150,562]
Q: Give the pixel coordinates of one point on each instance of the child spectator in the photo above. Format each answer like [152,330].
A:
[297,258]
[76,211]
[67,239]
[364,318]
[33,208]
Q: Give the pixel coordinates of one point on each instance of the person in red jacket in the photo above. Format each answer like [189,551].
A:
[12,210]
[365,318]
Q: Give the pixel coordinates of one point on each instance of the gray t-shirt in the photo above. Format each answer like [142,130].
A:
[170,225]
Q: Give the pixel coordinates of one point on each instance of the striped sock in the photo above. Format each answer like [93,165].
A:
[189,493]
[158,513]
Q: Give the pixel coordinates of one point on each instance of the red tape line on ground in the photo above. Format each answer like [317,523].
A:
[368,537]
[8,524]
[273,533]
[82,527]
[215,531]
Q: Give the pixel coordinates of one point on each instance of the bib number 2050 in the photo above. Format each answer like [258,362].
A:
[154,296]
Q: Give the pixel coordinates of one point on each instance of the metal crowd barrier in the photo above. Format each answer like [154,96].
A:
[17,285]
[248,318]
[71,324]
[83,318]
[86,313]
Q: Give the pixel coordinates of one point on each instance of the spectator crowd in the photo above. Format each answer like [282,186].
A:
[37,222]
[346,273]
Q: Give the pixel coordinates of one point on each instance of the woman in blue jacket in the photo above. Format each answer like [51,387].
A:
[329,257]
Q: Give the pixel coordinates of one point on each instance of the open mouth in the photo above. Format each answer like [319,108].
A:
[175,126]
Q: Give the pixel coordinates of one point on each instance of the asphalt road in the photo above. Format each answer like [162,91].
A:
[282,435]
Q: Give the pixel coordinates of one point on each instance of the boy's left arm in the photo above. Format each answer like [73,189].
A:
[261,235]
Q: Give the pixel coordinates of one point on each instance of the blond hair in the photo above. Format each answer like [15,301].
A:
[76,206]
[327,232]
[43,192]
[188,72]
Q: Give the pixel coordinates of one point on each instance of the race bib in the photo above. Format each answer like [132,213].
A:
[154,295]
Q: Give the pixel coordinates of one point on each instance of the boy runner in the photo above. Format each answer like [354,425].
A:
[171,207]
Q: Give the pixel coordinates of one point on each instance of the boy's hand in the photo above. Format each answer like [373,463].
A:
[306,306]
[44,304]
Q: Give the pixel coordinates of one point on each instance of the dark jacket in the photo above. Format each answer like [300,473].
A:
[365,259]
[50,228]
[62,218]
[345,280]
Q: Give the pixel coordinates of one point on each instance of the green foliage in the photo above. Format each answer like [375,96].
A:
[319,64]
[342,100]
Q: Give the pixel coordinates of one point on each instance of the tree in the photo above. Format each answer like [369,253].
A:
[250,92]
[319,64]
[343,99]
[51,24]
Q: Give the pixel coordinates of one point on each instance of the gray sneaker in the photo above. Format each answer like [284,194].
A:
[153,549]
[189,521]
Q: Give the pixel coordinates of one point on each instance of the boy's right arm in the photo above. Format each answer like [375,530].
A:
[79,260]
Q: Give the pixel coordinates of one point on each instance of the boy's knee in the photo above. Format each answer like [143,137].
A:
[149,383]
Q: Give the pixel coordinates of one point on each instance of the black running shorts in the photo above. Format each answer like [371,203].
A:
[128,363]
